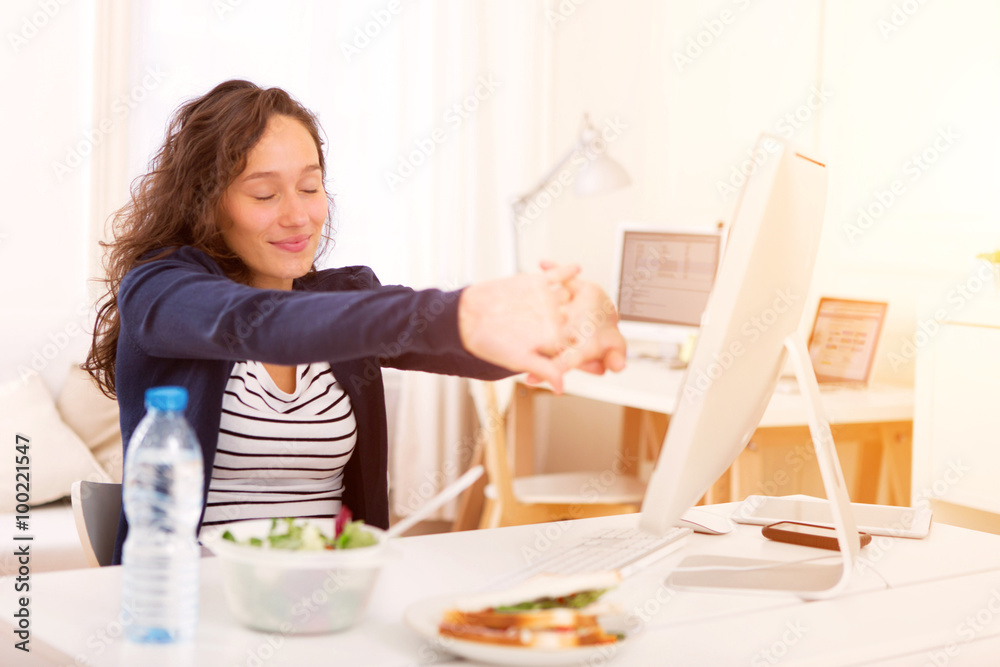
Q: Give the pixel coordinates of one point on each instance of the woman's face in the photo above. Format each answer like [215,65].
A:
[276,208]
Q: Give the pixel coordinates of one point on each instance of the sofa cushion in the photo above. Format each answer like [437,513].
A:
[94,417]
[57,457]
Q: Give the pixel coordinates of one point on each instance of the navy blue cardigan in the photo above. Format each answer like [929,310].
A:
[183,322]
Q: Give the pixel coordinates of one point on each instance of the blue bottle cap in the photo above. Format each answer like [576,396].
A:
[166,398]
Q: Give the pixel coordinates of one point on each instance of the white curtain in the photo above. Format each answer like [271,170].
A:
[434,115]
[485,67]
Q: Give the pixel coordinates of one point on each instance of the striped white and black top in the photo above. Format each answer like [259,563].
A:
[280,454]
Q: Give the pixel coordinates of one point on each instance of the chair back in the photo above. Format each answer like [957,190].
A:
[492,436]
[96,506]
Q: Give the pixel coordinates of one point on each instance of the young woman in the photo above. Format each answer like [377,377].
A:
[212,286]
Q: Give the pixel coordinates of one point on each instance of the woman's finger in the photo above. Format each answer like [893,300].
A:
[594,367]
[561,273]
[543,368]
[614,360]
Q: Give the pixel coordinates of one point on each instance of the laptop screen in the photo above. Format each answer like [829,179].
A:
[666,276]
[844,337]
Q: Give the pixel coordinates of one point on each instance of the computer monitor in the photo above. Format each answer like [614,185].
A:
[662,282]
[844,340]
[750,324]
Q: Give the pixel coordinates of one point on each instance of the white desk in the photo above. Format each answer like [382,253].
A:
[879,418]
[654,386]
[945,593]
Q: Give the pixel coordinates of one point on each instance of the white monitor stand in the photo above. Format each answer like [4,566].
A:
[809,580]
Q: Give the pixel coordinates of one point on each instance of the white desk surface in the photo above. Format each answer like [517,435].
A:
[654,386]
[945,596]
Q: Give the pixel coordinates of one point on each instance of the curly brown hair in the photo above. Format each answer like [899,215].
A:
[178,202]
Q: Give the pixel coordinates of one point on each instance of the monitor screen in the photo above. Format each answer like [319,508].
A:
[665,276]
[844,337]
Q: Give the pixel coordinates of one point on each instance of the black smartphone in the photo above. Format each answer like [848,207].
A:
[810,535]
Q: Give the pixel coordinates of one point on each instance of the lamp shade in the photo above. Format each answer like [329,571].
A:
[600,175]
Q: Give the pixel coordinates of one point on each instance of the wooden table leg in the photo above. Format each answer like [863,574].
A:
[897,462]
[521,430]
[877,469]
[869,461]
[642,437]
[470,503]
[631,445]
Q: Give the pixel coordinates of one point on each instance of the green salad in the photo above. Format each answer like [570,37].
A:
[574,601]
[295,534]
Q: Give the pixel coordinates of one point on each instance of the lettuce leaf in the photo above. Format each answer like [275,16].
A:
[575,601]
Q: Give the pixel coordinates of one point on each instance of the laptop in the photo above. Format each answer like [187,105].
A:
[844,341]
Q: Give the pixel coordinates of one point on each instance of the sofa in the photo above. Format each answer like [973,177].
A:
[69,437]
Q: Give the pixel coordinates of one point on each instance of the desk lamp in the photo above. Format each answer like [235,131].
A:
[598,175]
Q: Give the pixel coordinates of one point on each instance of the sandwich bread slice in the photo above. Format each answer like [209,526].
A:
[546,612]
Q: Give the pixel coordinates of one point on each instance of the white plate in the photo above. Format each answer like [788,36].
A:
[425,616]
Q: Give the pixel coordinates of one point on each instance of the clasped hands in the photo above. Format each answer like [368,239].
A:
[544,324]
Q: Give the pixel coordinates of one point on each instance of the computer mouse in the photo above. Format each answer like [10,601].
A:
[707,522]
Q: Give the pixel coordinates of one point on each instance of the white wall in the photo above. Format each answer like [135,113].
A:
[886,94]
[873,86]
[45,61]
[687,126]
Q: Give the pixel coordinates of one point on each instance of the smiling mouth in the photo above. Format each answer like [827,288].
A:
[293,244]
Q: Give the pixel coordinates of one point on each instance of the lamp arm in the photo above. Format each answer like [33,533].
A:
[521,201]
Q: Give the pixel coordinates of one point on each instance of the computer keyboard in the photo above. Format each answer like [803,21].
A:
[628,550]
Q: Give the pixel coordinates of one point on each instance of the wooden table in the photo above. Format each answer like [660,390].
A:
[872,426]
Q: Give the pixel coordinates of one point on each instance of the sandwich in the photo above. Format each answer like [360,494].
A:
[546,612]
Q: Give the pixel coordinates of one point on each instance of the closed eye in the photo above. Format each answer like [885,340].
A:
[264,198]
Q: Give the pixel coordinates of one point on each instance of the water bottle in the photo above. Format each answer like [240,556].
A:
[162,495]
